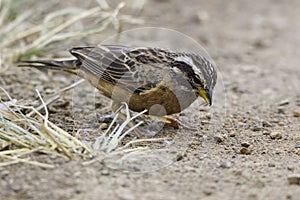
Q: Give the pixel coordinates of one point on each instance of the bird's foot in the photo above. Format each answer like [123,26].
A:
[176,123]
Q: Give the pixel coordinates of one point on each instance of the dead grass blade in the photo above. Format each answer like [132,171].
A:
[25,135]
[22,135]
[25,39]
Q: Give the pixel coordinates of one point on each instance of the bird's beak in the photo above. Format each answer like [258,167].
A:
[206,95]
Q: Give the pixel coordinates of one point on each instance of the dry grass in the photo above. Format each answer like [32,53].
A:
[24,135]
[20,136]
[18,38]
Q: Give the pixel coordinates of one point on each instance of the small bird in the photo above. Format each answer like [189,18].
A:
[161,81]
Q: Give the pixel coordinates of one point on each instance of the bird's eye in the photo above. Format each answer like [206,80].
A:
[197,79]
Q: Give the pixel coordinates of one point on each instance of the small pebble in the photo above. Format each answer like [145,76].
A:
[296,113]
[179,156]
[284,102]
[238,173]
[15,187]
[281,110]
[203,16]
[266,132]
[208,116]
[4,173]
[294,179]
[275,120]
[297,146]
[207,192]
[271,165]
[258,184]
[67,113]
[219,138]
[225,165]
[262,43]
[256,128]
[298,102]
[205,122]
[297,152]
[281,123]
[202,156]
[245,144]
[168,142]
[266,124]
[105,173]
[275,135]
[103,126]
[48,90]
[290,168]
[232,134]
[245,151]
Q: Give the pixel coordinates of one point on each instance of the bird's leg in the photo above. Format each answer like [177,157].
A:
[175,123]
[169,121]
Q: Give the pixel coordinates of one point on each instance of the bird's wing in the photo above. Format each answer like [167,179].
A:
[137,69]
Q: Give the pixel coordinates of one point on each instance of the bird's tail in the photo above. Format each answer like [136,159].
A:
[64,65]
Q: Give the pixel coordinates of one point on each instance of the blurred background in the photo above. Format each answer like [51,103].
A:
[255,46]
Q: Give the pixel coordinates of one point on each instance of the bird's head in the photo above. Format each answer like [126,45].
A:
[202,75]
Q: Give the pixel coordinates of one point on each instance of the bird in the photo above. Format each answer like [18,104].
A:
[161,81]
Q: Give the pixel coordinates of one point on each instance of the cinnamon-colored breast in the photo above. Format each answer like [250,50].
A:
[158,101]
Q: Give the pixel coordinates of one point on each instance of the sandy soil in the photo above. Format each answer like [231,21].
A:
[249,155]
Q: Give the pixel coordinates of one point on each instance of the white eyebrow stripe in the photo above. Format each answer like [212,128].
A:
[185,59]
[188,60]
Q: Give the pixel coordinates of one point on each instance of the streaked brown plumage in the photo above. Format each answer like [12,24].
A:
[162,81]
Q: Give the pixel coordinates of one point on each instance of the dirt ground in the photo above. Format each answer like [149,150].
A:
[254,147]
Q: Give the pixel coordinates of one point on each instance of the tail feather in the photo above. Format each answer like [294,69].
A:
[65,65]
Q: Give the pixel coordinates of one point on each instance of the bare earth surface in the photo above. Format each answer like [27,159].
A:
[255,45]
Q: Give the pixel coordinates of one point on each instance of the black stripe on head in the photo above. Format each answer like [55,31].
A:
[207,70]
[188,70]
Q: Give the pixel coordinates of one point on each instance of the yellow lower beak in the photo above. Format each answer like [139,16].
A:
[206,95]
